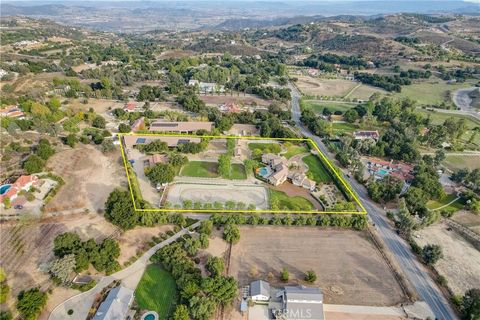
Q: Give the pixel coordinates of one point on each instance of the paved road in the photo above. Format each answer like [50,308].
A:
[415,272]
[130,276]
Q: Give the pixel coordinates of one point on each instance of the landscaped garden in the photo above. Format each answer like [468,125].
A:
[157,291]
[447,203]
[201,169]
[316,170]
[280,200]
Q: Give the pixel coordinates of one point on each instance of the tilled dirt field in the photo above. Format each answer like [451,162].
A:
[460,264]
[349,268]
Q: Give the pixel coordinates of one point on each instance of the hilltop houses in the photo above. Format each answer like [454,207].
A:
[12,112]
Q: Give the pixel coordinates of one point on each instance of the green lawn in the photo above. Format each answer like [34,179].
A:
[201,169]
[238,172]
[265,147]
[318,106]
[294,150]
[344,127]
[455,163]
[280,200]
[316,170]
[157,291]
[434,204]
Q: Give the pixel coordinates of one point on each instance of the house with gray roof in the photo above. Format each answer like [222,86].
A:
[301,302]
[116,304]
[260,290]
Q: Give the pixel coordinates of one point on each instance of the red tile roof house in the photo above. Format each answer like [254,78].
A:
[22,183]
[12,112]
[130,107]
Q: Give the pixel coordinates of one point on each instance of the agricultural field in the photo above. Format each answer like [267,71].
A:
[468,220]
[431,92]
[460,264]
[364,278]
[157,291]
[363,92]
[318,105]
[456,162]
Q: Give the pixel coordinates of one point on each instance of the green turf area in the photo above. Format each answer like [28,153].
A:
[316,170]
[238,172]
[431,92]
[318,105]
[455,163]
[434,204]
[201,169]
[157,291]
[344,127]
[265,147]
[280,200]
[293,150]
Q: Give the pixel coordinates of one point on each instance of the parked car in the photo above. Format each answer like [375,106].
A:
[18,207]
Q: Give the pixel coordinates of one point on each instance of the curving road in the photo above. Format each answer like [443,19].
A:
[462,100]
[414,270]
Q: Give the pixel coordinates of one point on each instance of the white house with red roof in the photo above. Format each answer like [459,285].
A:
[22,183]
[130,107]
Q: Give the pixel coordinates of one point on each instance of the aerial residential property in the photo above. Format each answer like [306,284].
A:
[240,160]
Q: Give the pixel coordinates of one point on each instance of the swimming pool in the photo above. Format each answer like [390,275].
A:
[264,172]
[150,315]
[4,188]
[382,172]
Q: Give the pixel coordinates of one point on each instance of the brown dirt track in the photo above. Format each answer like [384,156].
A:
[349,268]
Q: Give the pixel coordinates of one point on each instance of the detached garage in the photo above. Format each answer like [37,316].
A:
[260,291]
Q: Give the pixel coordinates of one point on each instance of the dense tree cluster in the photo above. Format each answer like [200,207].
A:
[385,189]
[102,256]
[389,83]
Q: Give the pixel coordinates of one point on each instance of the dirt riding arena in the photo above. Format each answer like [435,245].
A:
[349,268]
[205,193]
[460,264]
[89,176]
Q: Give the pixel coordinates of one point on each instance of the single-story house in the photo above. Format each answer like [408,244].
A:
[12,112]
[130,107]
[189,127]
[116,304]
[129,141]
[260,291]
[22,183]
[301,302]
[230,107]
[366,134]
[301,180]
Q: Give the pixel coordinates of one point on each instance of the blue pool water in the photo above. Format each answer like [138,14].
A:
[4,188]
[264,171]
[149,317]
[382,172]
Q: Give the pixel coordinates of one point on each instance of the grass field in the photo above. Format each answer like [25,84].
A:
[265,147]
[344,128]
[430,92]
[318,105]
[157,291]
[316,170]
[201,169]
[459,162]
[453,207]
[324,87]
[294,150]
[282,201]
[238,172]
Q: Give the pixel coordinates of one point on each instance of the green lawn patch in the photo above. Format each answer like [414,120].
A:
[434,204]
[431,92]
[238,172]
[157,291]
[344,128]
[318,106]
[293,150]
[281,201]
[201,169]
[316,170]
[265,147]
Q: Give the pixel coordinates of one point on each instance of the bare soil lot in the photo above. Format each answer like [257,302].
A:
[240,99]
[461,262]
[89,175]
[324,87]
[349,268]
[469,220]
